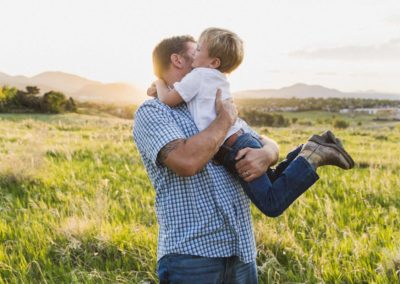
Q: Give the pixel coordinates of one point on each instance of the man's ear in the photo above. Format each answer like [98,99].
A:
[176,60]
[215,63]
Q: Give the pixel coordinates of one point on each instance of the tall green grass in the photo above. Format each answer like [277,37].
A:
[76,206]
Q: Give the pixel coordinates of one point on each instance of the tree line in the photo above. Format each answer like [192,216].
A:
[30,100]
[260,118]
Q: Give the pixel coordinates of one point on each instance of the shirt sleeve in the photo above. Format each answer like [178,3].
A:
[247,129]
[154,127]
[189,86]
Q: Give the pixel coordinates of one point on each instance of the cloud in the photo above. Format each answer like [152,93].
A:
[387,51]
[326,74]
[393,20]
[365,74]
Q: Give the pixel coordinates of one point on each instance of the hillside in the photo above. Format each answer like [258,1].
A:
[307,91]
[84,89]
[77,87]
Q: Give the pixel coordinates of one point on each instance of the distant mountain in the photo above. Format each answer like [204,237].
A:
[307,91]
[69,83]
[77,87]
[89,90]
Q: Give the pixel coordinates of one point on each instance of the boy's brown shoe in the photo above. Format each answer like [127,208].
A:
[326,150]
[330,137]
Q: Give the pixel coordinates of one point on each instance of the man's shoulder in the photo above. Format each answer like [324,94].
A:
[156,109]
[150,104]
[157,105]
[148,109]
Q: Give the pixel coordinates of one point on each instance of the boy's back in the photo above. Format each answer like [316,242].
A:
[198,90]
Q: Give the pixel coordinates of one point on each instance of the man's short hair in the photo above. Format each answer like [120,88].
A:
[163,51]
[225,45]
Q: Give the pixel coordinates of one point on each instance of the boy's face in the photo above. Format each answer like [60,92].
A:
[201,57]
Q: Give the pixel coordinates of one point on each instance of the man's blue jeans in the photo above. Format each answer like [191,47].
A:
[273,192]
[181,268]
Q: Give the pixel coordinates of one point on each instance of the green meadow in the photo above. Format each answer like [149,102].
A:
[76,205]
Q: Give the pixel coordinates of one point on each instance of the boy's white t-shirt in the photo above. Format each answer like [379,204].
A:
[198,89]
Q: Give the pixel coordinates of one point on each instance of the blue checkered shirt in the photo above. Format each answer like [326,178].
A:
[207,214]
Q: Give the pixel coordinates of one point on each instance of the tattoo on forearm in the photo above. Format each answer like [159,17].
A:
[167,149]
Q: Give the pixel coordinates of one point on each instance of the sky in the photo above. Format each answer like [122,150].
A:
[347,45]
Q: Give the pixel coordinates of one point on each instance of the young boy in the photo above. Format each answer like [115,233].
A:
[220,52]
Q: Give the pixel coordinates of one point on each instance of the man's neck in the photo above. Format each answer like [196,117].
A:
[172,77]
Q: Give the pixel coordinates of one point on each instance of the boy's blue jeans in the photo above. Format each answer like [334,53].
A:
[274,191]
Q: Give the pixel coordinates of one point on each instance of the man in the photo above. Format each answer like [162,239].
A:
[205,229]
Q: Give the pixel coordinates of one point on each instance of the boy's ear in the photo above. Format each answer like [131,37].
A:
[176,60]
[215,63]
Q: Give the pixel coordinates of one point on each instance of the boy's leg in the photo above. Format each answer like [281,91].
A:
[272,198]
[289,158]
[274,173]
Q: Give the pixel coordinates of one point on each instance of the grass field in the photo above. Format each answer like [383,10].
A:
[76,206]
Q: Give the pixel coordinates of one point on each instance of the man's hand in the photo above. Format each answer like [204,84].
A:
[252,163]
[225,109]
[152,91]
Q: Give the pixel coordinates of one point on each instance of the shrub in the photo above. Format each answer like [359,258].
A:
[14,100]
[260,118]
[53,102]
[340,124]
[381,137]
[306,122]
[70,105]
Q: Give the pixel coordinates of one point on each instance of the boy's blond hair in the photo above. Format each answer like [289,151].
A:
[226,46]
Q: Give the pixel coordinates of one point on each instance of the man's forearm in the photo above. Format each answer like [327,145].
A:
[191,155]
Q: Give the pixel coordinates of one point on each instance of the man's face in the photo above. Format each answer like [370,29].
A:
[185,64]
[189,56]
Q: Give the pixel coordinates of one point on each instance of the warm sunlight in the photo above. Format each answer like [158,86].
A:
[346,45]
[265,151]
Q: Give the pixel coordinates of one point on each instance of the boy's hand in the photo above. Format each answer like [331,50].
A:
[152,91]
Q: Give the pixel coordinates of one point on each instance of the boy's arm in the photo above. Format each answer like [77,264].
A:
[166,95]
